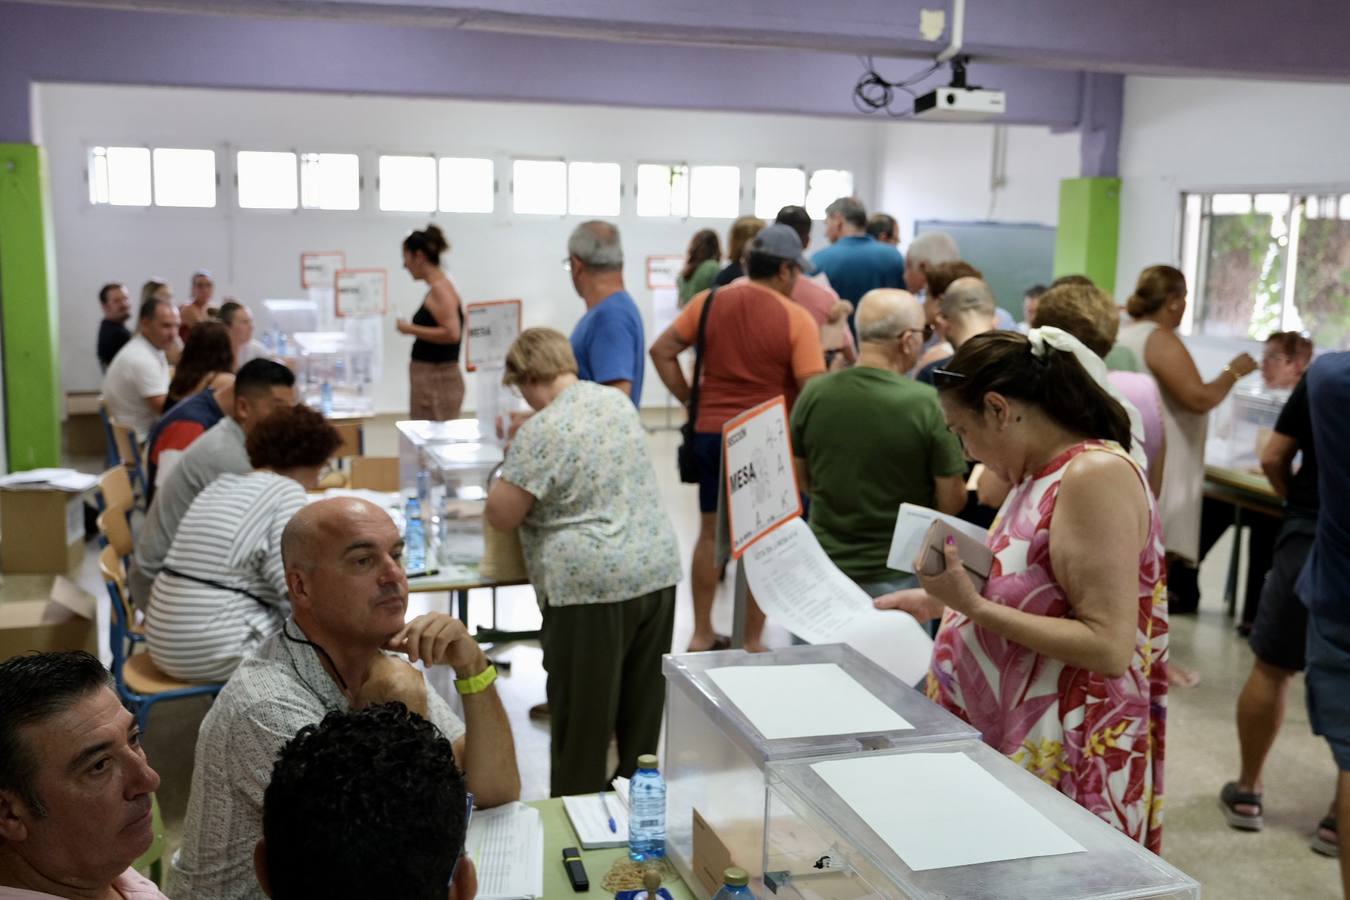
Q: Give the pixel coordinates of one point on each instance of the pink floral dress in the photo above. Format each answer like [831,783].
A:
[1098,740]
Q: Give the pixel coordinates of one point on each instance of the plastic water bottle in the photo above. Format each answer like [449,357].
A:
[326,399]
[647,812]
[414,537]
[735,884]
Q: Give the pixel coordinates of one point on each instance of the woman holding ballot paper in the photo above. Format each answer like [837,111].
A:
[1060,659]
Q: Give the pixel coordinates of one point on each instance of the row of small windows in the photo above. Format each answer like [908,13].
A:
[141,176]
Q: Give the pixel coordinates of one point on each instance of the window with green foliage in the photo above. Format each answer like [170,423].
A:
[1260,263]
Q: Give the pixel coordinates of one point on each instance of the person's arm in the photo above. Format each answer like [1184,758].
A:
[443,304]
[950,491]
[507,505]
[808,358]
[665,354]
[1155,471]
[621,384]
[611,359]
[156,402]
[487,751]
[1277,461]
[1097,532]
[1171,363]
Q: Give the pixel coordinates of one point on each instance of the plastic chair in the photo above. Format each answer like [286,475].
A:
[375,473]
[109,442]
[140,683]
[114,489]
[129,454]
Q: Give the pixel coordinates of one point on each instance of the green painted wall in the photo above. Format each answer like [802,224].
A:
[28,310]
[1088,233]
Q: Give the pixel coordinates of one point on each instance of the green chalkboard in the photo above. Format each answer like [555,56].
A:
[1013,256]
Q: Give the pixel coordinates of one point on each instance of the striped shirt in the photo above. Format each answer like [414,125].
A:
[231,536]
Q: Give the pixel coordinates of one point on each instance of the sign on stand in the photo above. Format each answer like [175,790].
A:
[361,292]
[662,271]
[491,327]
[319,268]
[761,485]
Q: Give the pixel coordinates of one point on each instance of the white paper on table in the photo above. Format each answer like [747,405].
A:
[591,814]
[506,845]
[796,584]
[805,701]
[938,810]
[621,789]
[911,526]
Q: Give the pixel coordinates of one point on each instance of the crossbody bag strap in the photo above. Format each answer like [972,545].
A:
[698,356]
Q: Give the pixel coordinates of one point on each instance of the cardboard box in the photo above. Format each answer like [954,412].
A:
[41,531]
[46,614]
[83,431]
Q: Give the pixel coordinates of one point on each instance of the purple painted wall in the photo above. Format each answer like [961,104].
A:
[70,44]
[1296,38]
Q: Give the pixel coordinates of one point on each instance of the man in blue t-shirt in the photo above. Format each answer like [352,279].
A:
[855,262]
[608,341]
[1324,586]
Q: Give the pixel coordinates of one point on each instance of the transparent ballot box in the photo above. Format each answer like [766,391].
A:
[725,722]
[1241,425]
[447,465]
[956,820]
[282,320]
[335,373]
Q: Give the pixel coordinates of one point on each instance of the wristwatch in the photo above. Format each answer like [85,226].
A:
[476,684]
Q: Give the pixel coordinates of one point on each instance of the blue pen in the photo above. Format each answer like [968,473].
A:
[613,828]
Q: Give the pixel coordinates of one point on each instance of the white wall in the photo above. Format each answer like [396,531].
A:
[917,171]
[942,171]
[1191,134]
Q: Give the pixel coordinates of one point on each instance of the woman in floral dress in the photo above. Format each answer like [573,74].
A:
[1061,663]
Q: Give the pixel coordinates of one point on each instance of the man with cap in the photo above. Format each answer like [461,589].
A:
[757,345]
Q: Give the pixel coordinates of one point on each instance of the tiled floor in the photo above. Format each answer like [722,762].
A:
[1202,752]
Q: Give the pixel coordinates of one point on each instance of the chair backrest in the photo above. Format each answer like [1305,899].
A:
[351,439]
[114,488]
[375,473]
[115,579]
[112,524]
[124,439]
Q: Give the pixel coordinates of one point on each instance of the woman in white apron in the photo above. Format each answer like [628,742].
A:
[1156,308]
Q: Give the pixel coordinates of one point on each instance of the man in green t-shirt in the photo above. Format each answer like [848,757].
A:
[870,438]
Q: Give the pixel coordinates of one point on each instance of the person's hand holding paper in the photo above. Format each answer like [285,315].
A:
[914,601]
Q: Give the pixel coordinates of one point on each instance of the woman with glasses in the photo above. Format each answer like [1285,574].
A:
[1061,659]
[435,383]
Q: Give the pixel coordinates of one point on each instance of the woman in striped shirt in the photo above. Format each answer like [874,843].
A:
[222,590]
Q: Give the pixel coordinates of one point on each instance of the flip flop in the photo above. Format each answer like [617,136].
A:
[720,642]
[1230,798]
[1320,844]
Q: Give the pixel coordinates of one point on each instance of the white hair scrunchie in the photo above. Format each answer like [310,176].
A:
[1061,340]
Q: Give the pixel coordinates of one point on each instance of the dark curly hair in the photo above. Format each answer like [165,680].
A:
[364,804]
[207,350]
[291,438]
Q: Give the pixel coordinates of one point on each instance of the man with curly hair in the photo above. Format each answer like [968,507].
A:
[366,804]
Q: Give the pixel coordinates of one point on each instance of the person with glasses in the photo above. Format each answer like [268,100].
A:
[867,439]
[609,342]
[1061,660]
[965,308]
[366,804]
[1286,357]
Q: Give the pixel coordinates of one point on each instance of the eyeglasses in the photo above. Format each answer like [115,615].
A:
[567,263]
[464,850]
[944,378]
[926,331]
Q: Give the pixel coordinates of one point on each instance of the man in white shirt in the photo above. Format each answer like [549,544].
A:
[138,378]
[75,787]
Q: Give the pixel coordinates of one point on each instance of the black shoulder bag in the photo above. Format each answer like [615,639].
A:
[685,456]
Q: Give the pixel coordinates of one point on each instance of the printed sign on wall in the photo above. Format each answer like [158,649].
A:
[319,268]
[361,292]
[663,270]
[491,327]
[761,484]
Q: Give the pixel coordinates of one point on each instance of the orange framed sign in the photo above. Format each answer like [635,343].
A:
[662,271]
[361,292]
[761,483]
[490,328]
[319,268]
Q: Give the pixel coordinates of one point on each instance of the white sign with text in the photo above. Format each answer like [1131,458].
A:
[761,486]
[490,330]
[319,268]
[361,292]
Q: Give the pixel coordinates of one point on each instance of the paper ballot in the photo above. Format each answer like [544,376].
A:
[911,524]
[805,701]
[797,586]
[506,845]
[938,810]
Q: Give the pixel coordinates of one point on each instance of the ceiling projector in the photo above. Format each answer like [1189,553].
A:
[958,101]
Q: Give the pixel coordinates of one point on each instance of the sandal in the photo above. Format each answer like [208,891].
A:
[720,642]
[1320,844]
[1230,798]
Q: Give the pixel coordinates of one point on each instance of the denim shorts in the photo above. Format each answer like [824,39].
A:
[708,459]
[1328,683]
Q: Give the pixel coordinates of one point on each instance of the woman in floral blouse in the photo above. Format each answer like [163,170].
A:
[1061,662]
[601,554]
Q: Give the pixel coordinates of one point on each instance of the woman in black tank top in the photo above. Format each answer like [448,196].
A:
[436,386]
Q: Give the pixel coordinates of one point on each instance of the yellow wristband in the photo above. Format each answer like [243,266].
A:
[476,684]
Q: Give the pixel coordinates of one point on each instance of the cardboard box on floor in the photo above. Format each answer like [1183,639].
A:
[84,427]
[42,613]
[41,531]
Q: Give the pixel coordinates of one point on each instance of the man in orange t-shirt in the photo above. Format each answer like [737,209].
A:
[757,345]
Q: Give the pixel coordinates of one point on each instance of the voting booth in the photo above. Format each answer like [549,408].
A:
[959,820]
[730,713]
[450,462]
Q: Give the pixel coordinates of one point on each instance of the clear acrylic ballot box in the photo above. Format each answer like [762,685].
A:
[717,749]
[932,833]
[338,365]
[1241,425]
[456,462]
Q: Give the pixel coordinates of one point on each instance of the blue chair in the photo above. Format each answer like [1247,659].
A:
[114,530]
[109,442]
[140,683]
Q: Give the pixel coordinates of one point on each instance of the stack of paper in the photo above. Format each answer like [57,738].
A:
[49,479]
[506,845]
[591,815]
